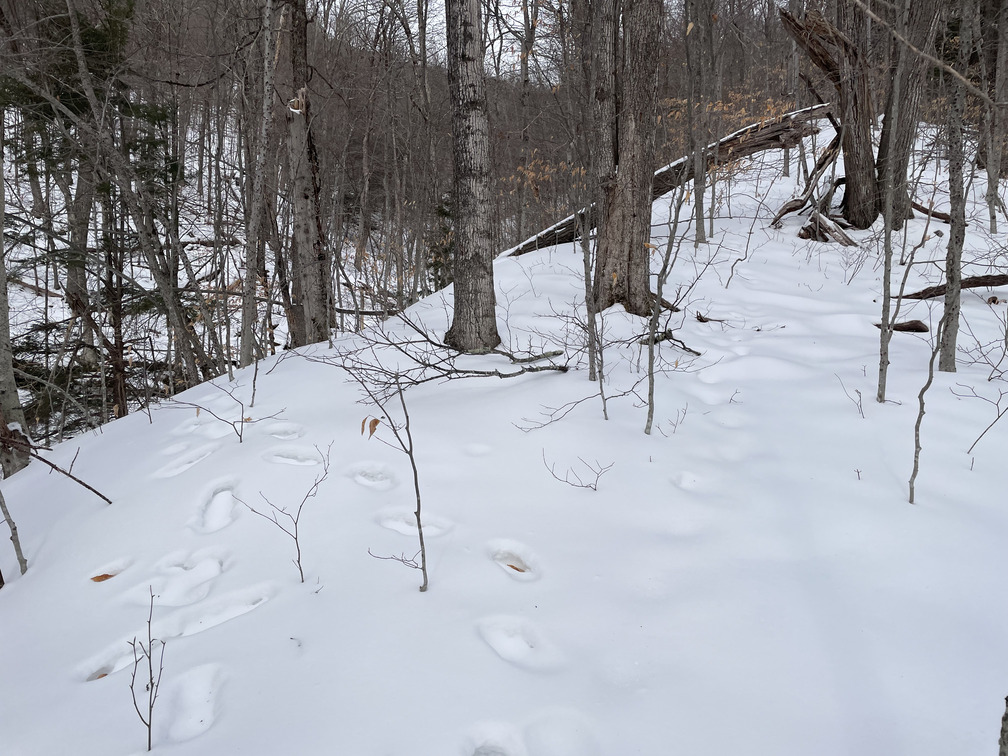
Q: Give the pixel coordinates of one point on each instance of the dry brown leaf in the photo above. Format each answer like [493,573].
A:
[102,578]
[374,426]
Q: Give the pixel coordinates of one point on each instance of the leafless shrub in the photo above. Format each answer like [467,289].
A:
[143,655]
[593,472]
[290,522]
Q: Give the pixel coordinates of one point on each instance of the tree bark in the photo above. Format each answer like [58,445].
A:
[474,322]
[996,118]
[254,241]
[838,50]
[313,266]
[917,22]
[957,200]
[10,404]
[622,261]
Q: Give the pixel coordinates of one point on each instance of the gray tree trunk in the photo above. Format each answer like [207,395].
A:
[79,205]
[313,267]
[474,322]
[997,118]
[623,252]
[697,112]
[917,21]
[10,405]
[857,116]
[957,201]
[254,241]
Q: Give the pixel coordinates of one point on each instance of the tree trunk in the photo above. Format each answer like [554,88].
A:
[860,192]
[917,21]
[697,111]
[254,241]
[313,267]
[10,405]
[474,322]
[839,50]
[623,253]
[957,201]
[996,118]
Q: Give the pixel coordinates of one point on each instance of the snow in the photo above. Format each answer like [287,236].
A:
[748,579]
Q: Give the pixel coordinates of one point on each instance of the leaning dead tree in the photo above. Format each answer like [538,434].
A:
[784,131]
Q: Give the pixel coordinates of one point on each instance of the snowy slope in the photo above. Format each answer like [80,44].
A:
[748,579]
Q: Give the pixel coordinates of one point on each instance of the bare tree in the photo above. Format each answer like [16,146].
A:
[474,322]
[957,199]
[10,403]
[254,237]
[619,54]
[310,256]
[840,51]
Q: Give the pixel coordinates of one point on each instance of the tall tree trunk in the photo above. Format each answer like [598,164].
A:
[79,206]
[314,267]
[254,241]
[623,252]
[857,116]
[917,21]
[10,404]
[997,118]
[474,322]
[698,116]
[839,51]
[957,201]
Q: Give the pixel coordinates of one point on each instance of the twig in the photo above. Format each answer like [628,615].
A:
[22,562]
[920,401]
[153,683]
[292,529]
[571,477]
[857,402]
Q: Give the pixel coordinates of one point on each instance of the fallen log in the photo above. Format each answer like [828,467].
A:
[938,214]
[908,326]
[973,282]
[779,133]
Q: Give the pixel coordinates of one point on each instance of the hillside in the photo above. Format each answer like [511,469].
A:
[749,578]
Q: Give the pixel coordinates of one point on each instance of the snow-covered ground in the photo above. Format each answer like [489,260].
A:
[749,578]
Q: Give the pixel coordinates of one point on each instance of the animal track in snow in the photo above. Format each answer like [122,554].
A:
[515,558]
[302,456]
[182,623]
[518,641]
[207,426]
[285,431]
[185,461]
[110,569]
[218,510]
[373,475]
[182,579]
[187,707]
[405,523]
[477,450]
[494,739]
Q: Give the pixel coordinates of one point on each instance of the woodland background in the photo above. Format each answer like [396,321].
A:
[160,230]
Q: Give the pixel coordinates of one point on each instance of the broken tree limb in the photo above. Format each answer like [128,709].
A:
[825,161]
[820,228]
[908,326]
[937,214]
[973,282]
[778,133]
